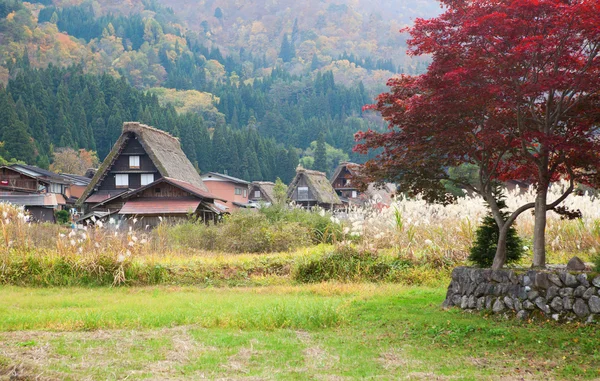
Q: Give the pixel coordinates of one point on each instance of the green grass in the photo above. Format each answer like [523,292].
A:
[320,331]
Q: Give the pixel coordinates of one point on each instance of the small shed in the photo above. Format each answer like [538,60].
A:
[312,188]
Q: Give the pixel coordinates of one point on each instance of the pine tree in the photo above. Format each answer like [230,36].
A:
[321,154]
[484,247]
[18,143]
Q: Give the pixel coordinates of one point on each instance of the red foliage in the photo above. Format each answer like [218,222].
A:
[514,87]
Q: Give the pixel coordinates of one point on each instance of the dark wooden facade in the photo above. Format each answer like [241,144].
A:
[121,166]
[14,180]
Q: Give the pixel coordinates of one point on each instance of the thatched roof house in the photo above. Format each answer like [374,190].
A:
[262,191]
[312,188]
[147,158]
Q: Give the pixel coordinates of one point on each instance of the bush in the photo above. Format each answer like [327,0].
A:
[345,264]
[241,232]
[62,217]
[486,242]
[320,225]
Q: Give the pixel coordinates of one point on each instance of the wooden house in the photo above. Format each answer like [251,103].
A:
[262,191]
[147,174]
[341,180]
[39,191]
[312,188]
[346,187]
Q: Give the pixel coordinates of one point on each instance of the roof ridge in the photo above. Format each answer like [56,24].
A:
[135,126]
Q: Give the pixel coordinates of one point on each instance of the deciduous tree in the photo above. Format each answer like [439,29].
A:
[513,88]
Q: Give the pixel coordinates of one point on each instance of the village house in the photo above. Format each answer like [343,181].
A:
[147,176]
[235,191]
[262,192]
[39,191]
[346,188]
[311,188]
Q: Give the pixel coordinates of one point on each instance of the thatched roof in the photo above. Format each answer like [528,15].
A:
[353,168]
[318,184]
[267,189]
[164,150]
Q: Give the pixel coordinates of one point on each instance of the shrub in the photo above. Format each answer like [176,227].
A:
[241,232]
[321,225]
[486,241]
[62,217]
[345,264]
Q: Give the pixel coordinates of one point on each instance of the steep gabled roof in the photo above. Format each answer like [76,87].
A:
[353,168]
[267,189]
[318,184]
[164,150]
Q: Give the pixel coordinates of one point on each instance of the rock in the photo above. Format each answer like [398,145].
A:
[488,302]
[464,302]
[528,305]
[579,291]
[541,281]
[551,293]
[472,302]
[567,291]
[596,281]
[570,280]
[481,303]
[555,317]
[480,290]
[522,293]
[499,276]
[532,295]
[508,302]
[526,281]
[583,279]
[552,277]
[567,303]
[498,306]
[456,300]
[589,292]
[557,304]
[594,304]
[518,305]
[522,315]
[575,264]
[540,302]
[591,319]
[580,308]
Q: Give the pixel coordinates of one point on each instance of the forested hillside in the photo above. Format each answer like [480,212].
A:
[208,82]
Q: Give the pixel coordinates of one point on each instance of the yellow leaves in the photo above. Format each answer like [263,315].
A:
[10,16]
[258,27]
[187,101]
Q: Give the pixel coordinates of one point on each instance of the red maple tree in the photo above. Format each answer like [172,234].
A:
[513,87]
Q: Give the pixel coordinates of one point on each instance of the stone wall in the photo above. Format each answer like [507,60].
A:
[560,295]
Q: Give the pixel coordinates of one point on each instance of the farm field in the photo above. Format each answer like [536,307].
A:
[326,331]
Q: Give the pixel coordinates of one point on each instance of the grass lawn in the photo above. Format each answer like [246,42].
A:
[322,331]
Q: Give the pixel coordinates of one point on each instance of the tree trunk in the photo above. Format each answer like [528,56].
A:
[539,229]
[500,257]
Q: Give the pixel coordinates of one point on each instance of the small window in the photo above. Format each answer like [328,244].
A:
[354,194]
[122,180]
[245,193]
[238,191]
[257,194]
[134,162]
[147,178]
[302,193]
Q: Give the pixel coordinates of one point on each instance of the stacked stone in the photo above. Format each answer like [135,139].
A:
[560,295]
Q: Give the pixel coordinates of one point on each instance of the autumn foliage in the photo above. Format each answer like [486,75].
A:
[513,88]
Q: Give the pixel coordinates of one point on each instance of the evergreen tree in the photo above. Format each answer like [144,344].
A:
[484,247]
[18,143]
[321,154]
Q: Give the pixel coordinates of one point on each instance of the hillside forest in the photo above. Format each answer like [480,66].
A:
[252,91]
